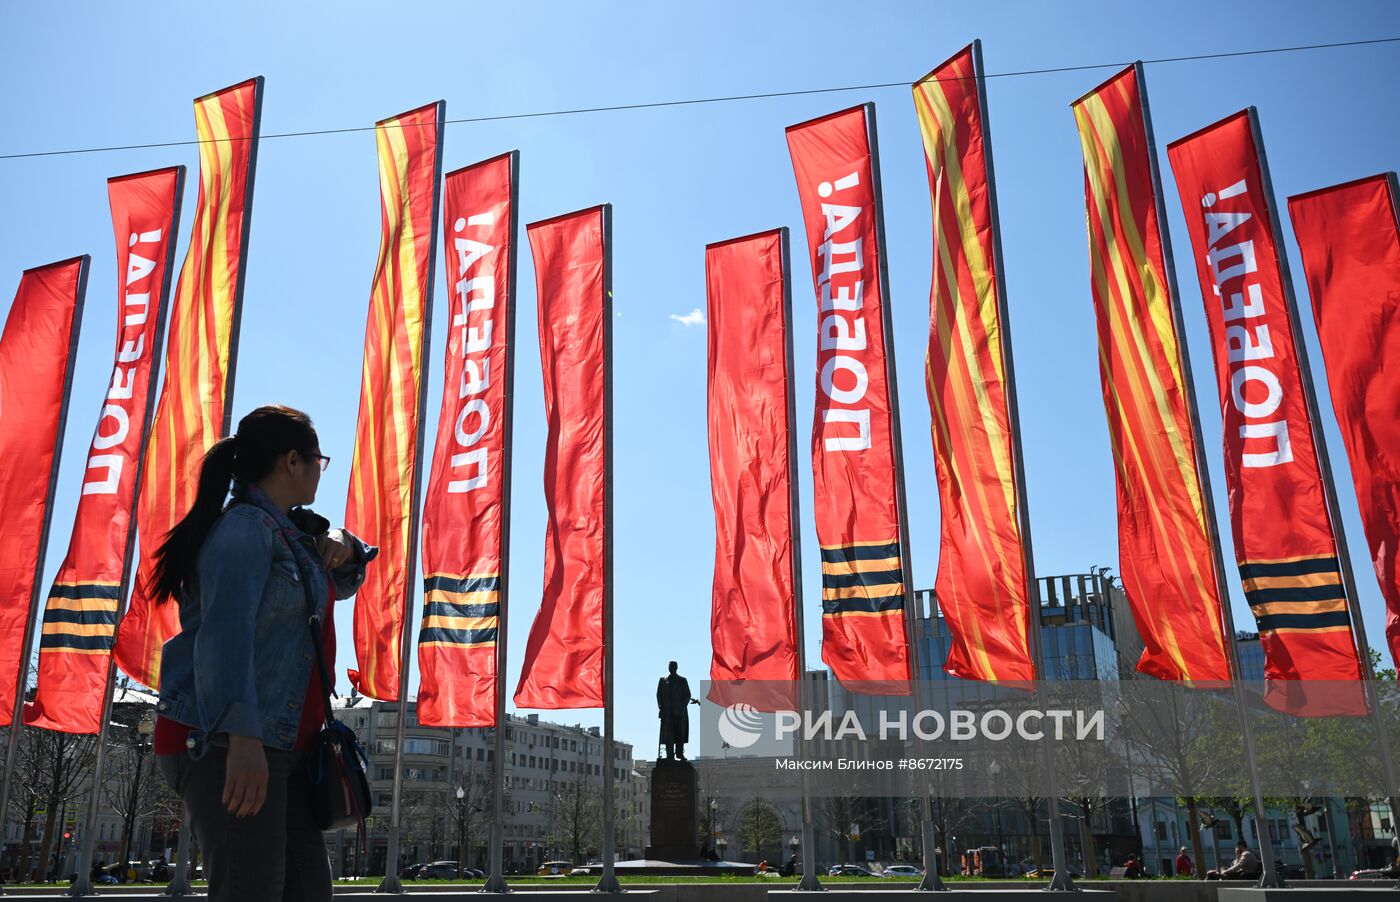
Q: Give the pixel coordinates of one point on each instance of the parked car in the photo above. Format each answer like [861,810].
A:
[851,870]
[903,870]
[555,869]
[440,870]
[410,872]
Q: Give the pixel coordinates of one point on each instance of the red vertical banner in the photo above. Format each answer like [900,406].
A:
[981,586]
[1164,546]
[80,618]
[466,514]
[382,504]
[201,352]
[1350,239]
[564,656]
[753,612]
[37,350]
[855,478]
[1284,545]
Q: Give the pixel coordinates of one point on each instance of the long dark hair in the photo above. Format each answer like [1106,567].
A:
[248,455]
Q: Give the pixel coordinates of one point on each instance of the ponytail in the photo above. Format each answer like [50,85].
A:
[263,436]
[177,553]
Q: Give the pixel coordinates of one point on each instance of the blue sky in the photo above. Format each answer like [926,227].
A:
[677,178]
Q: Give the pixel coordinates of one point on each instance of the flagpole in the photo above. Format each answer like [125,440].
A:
[22,680]
[810,881]
[607,883]
[1329,485]
[1271,878]
[391,882]
[932,880]
[83,885]
[496,881]
[1061,879]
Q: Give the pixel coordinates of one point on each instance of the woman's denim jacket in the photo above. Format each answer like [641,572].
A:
[242,667]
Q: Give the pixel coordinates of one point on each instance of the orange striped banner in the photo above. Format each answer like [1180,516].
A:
[200,354]
[981,585]
[385,473]
[1164,549]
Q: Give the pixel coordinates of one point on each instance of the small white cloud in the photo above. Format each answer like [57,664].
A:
[693,318]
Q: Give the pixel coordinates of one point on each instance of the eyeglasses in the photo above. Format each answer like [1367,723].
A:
[325,461]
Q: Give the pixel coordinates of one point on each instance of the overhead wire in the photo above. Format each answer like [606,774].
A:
[730,98]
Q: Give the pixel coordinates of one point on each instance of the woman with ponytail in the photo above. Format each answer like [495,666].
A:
[241,700]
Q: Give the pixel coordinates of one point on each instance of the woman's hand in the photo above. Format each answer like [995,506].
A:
[245,777]
[335,549]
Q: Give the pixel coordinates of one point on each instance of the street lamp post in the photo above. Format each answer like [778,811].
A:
[720,845]
[461,829]
[144,729]
[993,769]
[793,845]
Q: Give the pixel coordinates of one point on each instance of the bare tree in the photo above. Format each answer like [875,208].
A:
[52,767]
[837,814]
[1183,740]
[577,815]
[131,788]
[471,812]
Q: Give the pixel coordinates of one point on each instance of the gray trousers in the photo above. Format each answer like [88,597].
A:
[278,853]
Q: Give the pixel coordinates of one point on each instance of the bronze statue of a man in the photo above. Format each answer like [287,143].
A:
[672,695]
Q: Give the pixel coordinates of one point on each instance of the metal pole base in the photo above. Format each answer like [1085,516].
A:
[81,887]
[179,887]
[932,881]
[810,884]
[390,884]
[1272,879]
[608,884]
[495,884]
[1062,882]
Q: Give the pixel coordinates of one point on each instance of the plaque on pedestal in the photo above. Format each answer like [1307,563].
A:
[675,830]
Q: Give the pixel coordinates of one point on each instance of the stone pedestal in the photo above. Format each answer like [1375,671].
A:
[675,801]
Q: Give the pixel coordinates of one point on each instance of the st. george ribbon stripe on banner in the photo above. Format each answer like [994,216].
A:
[1164,548]
[753,615]
[1349,236]
[1283,537]
[466,510]
[73,658]
[853,455]
[981,584]
[200,358]
[564,655]
[37,351]
[381,504]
